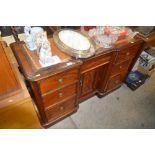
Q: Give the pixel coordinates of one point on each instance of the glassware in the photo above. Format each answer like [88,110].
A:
[92,32]
[100,30]
[131,34]
[114,37]
[103,40]
[106,41]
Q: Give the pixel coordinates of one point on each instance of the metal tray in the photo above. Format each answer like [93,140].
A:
[73,52]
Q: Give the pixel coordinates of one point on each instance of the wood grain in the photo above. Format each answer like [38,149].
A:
[99,74]
[61,109]
[58,81]
[17,110]
[9,82]
[59,95]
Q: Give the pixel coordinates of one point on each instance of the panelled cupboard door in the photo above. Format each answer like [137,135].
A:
[87,82]
[94,80]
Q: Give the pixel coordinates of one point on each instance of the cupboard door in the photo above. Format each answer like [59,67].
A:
[87,82]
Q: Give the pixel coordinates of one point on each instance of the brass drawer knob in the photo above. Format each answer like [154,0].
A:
[61,80]
[60,94]
[120,67]
[61,108]
[127,53]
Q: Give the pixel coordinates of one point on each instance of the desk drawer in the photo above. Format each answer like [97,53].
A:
[127,53]
[114,82]
[59,95]
[58,81]
[117,68]
[61,109]
[95,63]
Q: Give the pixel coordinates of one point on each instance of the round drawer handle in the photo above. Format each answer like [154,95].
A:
[60,94]
[61,80]
[61,108]
[120,67]
[127,53]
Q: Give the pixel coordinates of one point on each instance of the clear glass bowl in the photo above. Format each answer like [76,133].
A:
[106,41]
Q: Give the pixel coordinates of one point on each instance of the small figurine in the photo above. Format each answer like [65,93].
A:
[30,40]
[27,30]
[45,52]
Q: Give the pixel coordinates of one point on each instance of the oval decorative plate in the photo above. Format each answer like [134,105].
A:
[74,40]
[74,43]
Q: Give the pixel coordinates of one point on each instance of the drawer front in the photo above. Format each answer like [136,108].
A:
[58,81]
[94,63]
[116,80]
[127,53]
[59,95]
[61,109]
[118,68]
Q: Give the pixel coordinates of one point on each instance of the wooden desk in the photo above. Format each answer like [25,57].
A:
[59,89]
